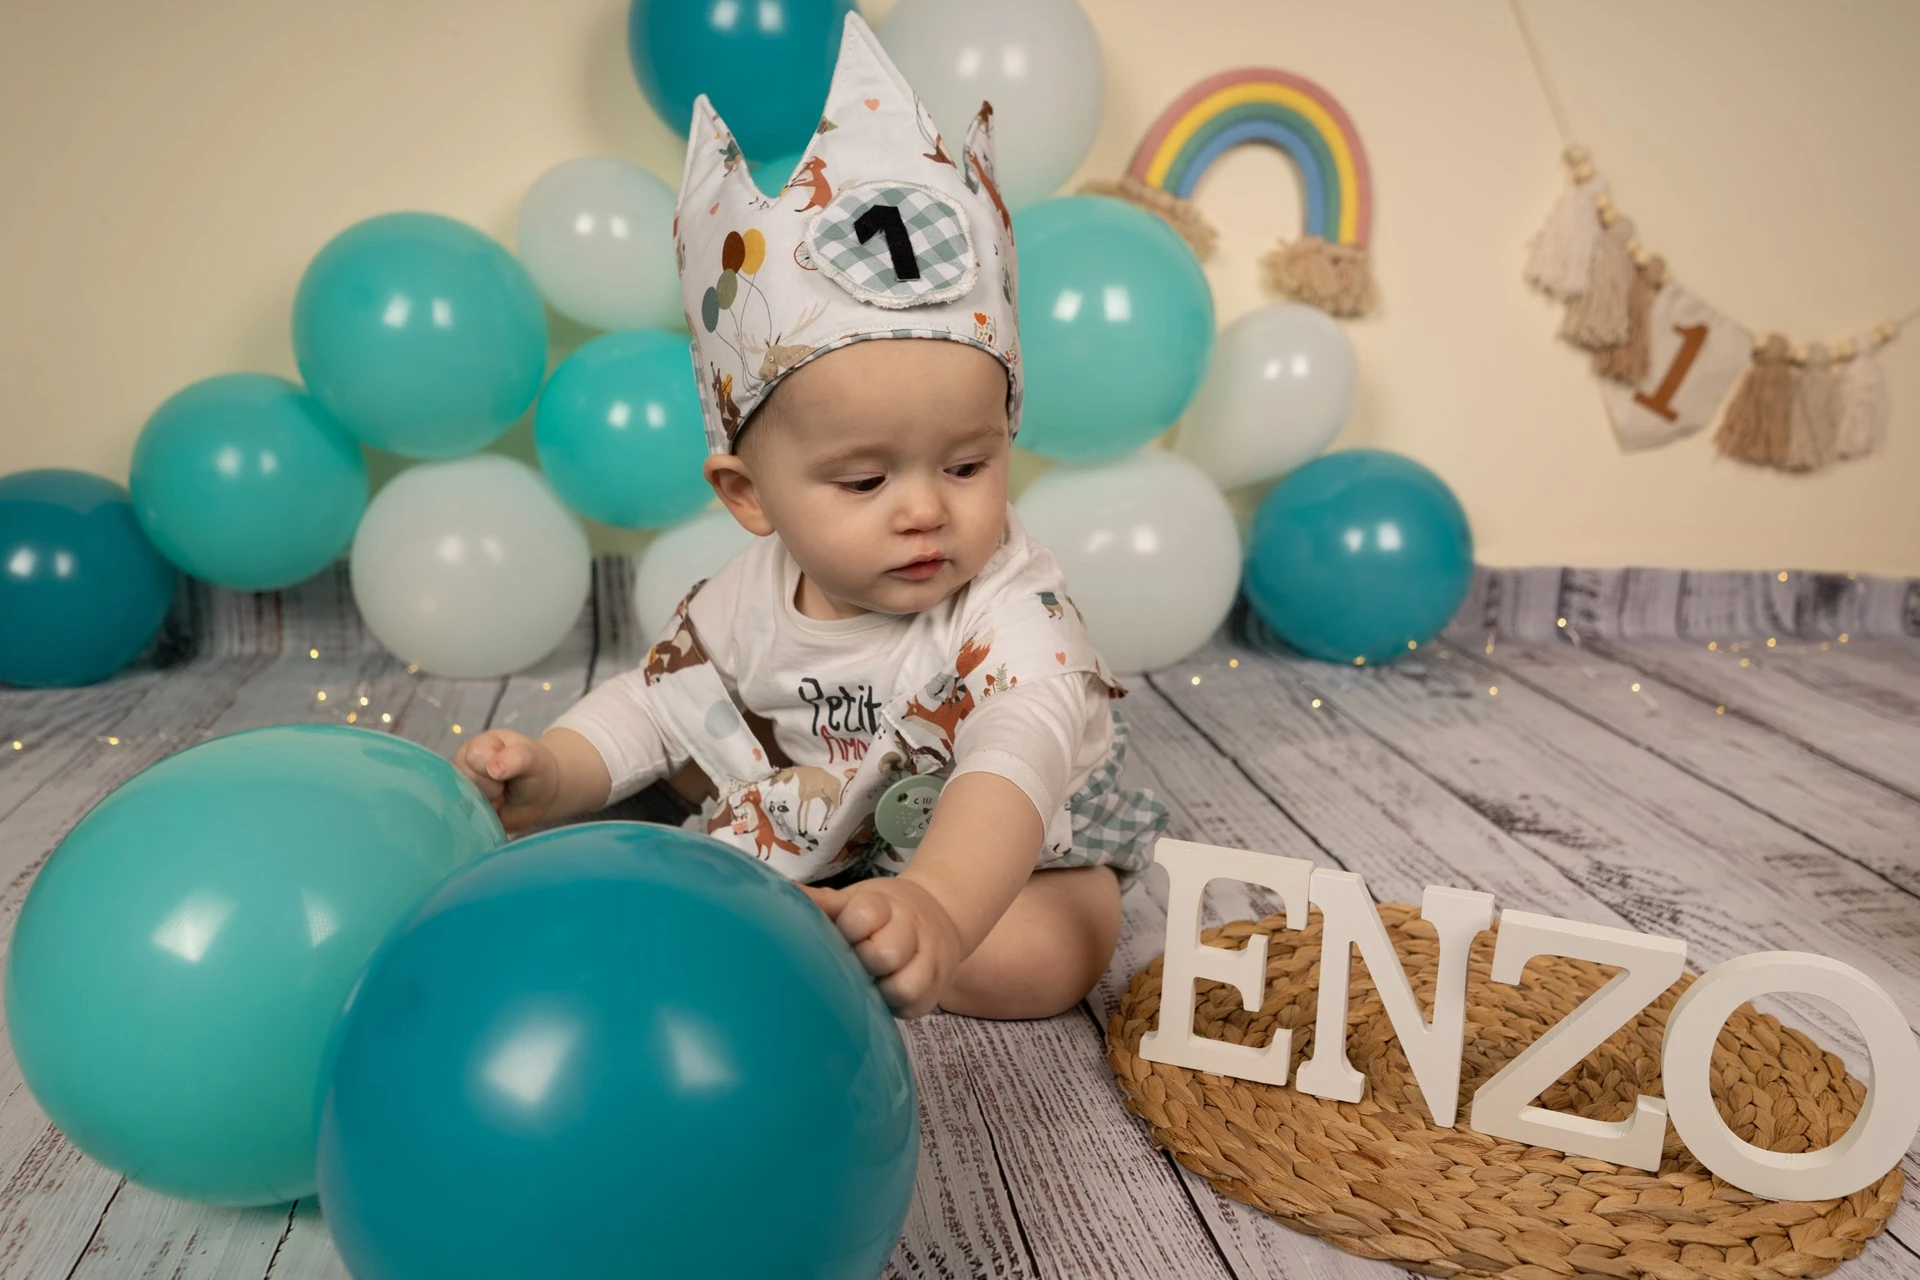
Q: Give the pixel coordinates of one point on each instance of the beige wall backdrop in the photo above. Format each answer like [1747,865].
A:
[167,170]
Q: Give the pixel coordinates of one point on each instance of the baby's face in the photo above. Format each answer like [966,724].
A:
[883,467]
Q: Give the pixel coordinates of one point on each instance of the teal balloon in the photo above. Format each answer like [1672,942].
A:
[82,589]
[1116,326]
[619,432]
[181,958]
[765,65]
[420,335]
[246,482]
[593,1053]
[710,308]
[771,176]
[1358,554]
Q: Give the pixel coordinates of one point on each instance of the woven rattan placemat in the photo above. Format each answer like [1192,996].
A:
[1379,1179]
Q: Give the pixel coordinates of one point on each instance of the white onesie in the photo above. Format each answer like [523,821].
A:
[823,685]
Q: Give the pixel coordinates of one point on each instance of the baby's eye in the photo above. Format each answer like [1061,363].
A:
[867,485]
[968,470]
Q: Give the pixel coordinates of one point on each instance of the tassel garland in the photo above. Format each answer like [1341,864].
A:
[1798,409]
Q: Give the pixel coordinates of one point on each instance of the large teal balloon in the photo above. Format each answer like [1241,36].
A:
[1358,555]
[618,431]
[617,1050]
[1116,326]
[82,589]
[420,335]
[180,959]
[246,482]
[764,63]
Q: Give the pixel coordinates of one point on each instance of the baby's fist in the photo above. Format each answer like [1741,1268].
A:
[516,774]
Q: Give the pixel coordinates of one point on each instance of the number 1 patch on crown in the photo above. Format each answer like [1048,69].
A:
[894,244]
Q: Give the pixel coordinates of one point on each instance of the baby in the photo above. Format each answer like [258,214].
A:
[889,697]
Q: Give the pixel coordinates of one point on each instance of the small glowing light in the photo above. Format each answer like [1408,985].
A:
[1196,679]
[1360,661]
[412,667]
[352,716]
[1746,662]
[113,742]
[456,728]
[1560,622]
[1413,644]
[363,699]
[1720,710]
[313,653]
[19,745]
[386,717]
[1493,691]
[1316,702]
[546,684]
[320,696]
[1783,575]
[1233,662]
[1489,648]
[1770,642]
[1636,686]
[1843,637]
[1713,644]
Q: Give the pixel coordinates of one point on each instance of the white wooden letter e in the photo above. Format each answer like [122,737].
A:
[1190,869]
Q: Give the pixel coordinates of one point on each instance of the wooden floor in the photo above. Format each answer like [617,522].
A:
[1733,759]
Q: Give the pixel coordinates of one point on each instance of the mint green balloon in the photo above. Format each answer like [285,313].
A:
[182,956]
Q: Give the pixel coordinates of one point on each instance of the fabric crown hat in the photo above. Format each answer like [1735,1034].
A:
[879,233]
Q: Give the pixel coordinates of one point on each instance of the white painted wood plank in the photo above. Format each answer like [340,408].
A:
[144,1233]
[54,725]
[1094,1196]
[308,1252]
[1808,695]
[1862,820]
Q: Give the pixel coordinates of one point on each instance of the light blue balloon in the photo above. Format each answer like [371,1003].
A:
[246,482]
[182,956]
[82,589]
[619,434]
[772,175]
[420,335]
[1116,326]
[765,65]
[592,1053]
[1358,554]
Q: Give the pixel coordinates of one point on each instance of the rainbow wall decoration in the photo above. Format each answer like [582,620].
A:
[1327,266]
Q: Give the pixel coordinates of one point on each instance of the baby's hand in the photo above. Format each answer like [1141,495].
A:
[518,775]
[902,934]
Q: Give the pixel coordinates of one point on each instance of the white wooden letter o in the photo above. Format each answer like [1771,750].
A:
[1879,1135]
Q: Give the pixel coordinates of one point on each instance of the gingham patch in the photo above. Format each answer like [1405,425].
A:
[894,244]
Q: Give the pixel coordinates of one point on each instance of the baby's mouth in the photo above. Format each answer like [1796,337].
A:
[922,568]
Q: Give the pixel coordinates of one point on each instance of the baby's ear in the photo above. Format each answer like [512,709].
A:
[734,484]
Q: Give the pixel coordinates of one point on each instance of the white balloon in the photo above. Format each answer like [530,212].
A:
[1038,63]
[596,235]
[687,553]
[1150,551]
[1277,392]
[471,568]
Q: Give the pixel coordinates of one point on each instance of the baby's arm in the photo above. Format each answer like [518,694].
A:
[604,747]
[1014,756]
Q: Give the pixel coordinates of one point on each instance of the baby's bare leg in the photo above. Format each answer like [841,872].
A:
[1046,952]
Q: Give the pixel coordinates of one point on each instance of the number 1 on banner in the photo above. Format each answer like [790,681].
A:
[1692,338]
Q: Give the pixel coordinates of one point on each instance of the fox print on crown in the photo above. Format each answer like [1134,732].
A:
[882,231]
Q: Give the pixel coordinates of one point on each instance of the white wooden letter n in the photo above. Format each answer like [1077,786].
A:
[1190,869]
